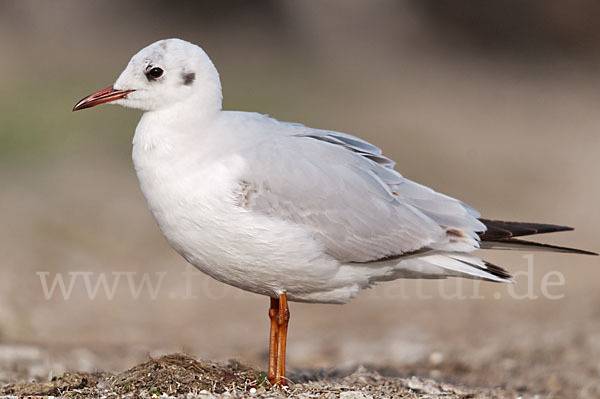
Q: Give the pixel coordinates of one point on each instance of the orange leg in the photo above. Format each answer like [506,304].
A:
[273,311]
[283,317]
[279,313]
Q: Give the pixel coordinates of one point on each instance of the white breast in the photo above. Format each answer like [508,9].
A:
[190,183]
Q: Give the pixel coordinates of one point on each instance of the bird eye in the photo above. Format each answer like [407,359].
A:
[155,72]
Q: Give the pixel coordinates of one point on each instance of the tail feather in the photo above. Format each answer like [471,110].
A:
[465,265]
[497,270]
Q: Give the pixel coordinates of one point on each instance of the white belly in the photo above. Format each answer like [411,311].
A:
[193,201]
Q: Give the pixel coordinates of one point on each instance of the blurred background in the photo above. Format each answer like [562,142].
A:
[495,103]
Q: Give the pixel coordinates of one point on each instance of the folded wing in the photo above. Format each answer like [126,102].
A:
[347,193]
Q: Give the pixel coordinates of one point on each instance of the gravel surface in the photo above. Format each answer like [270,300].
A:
[182,376]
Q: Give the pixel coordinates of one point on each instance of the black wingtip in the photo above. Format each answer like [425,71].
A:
[500,229]
[514,243]
[501,234]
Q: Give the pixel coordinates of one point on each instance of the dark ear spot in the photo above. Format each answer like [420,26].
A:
[188,78]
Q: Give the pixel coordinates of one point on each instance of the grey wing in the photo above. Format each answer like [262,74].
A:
[348,194]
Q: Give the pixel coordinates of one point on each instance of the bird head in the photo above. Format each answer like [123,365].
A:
[166,73]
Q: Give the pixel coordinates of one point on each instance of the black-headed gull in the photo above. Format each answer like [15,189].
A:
[284,210]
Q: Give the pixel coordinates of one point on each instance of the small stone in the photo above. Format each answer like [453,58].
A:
[415,384]
[354,395]
[436,358]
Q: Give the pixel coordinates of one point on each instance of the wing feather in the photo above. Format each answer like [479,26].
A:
[348,194]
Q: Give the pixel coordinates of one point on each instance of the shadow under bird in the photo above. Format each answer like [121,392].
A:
[284,210]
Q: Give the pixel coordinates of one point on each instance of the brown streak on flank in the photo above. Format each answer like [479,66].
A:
[245,194]
[242,196]
[454,233]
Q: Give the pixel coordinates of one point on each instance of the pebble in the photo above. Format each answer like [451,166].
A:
[436,358]
[354,395]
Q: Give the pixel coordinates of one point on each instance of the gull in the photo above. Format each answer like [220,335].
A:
[284,210]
